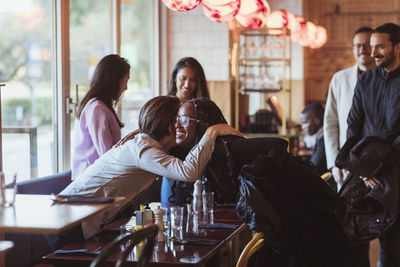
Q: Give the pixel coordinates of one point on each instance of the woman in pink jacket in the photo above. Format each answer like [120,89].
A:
[97,126]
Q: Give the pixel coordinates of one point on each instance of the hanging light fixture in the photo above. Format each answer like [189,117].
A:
[311,33]
[253,13]
[321,37]
[221,10]
[308,34]
[282,18]
[181,5]
[299,34]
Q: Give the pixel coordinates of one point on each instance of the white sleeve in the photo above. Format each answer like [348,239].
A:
[159,162]
[331,126]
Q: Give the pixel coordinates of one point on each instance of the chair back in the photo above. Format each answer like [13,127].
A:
[129,242]
[45,185]
[326,176]
[252,247]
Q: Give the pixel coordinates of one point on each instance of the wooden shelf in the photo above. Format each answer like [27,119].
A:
[246,63]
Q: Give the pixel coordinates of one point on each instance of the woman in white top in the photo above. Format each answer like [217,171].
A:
[132,167]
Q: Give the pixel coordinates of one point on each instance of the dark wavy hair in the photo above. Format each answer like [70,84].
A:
[207,111]
[201,82]
[106,82]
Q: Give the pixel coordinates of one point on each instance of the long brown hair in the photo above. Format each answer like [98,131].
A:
[106,82]
[157,114]
[201,82]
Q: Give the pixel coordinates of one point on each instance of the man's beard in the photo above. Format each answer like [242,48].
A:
[389,60]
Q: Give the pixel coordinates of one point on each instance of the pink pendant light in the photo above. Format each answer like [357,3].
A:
[221,10]
[181,5]
[253,13]
[321,37]
[307,38]
[311,32]
[299,34]
[282,18]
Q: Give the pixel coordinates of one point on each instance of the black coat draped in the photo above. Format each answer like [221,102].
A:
[283,198]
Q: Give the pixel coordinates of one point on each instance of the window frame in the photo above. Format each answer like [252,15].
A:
[63,104]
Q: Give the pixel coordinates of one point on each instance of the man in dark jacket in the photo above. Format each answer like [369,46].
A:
[376,113]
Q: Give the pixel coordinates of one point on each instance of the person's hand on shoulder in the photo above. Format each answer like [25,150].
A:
[127,138]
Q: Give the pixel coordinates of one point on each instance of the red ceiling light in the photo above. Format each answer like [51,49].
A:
[221,10]
[253,13]
[181,5]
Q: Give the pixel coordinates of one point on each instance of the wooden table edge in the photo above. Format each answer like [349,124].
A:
[52,231]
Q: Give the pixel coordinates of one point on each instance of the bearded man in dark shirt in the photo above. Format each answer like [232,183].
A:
[376,113]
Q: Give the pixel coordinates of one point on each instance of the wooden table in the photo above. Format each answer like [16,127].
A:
[37,214]
[167,254]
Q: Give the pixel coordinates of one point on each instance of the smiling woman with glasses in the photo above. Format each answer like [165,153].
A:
[185,120]
[130,168]
[187,81]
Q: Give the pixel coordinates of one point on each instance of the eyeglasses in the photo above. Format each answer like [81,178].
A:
[365,46]
[185,120]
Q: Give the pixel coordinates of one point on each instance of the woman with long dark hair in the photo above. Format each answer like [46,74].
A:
[97,126]
[188,80]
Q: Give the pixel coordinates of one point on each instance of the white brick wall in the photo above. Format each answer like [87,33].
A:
[193,34]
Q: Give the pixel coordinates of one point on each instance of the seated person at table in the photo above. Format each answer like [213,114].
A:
[294,208]
[312,118]
[130,168]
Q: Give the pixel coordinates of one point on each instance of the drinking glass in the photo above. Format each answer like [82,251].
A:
[8,189]
[208,202]
[176,215]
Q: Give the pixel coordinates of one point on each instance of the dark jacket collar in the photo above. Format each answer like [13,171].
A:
[388,75]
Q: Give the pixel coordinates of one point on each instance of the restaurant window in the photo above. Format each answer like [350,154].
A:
[27,99]
[34,139]
[90,41]
[137,45]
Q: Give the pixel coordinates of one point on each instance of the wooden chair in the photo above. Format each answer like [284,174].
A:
[252,247]
[325,176]
[129,242]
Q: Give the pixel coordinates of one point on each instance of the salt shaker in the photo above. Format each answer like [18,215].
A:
[158,215]
[197,202]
